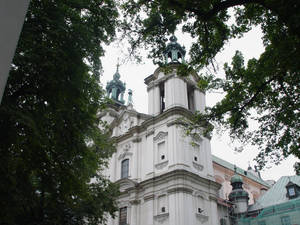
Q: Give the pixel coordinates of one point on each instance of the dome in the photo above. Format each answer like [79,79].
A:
[174,51]
[236,179]
[116,88]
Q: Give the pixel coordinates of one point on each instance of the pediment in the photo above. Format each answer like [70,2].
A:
[159,73]
[160,136]
[125,121]
[126,184]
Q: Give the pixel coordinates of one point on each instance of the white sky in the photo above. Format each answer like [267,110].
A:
[134,74]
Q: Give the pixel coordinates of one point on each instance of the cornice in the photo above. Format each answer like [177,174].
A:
[155,81]
[177,110]
[179,174]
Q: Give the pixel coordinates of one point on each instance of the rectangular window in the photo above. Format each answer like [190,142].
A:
[190,96]
[292,191]
[125,168]
[161,151]
[285,220]
[162,204]
[196,152]
[123,216]
[162,97]
[200,205]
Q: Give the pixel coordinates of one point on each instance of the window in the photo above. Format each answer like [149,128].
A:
[125,168]
[162,204]
[200,206]
[123,216]
[195,158]
[190,96]
[285,220]
[161,151]
[162,97]
[292,192]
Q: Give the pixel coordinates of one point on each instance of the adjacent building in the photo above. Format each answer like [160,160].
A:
[278,206]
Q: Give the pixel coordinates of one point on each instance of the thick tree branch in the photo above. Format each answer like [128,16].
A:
[227,4]
[193,6]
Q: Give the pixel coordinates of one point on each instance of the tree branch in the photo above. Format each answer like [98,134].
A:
[193,6]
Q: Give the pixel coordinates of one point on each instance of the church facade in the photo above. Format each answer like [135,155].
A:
[164,179]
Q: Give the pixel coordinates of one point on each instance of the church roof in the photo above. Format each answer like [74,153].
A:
[239,171]
[276,194]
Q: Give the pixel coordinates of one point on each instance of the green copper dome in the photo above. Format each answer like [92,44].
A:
[174,51]
[236,179]
[236,194]
[116,88]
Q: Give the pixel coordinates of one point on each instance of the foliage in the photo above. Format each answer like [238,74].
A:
[267,89]
[297,168]
[51,149]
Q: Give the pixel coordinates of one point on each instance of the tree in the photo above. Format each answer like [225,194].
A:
[52,151]
[268,86]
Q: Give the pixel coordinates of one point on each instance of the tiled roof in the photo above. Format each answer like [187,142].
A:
[276,194]
[240,171]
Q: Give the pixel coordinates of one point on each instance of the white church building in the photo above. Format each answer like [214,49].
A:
[163,178]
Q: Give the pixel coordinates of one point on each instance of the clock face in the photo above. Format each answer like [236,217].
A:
[291,191]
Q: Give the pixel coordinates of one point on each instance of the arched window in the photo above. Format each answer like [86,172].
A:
[125,168]
[123,216]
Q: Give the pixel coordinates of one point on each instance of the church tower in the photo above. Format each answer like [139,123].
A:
[166,91]
[165,177]
[238,196]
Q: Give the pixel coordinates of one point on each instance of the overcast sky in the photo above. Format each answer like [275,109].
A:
[133,75]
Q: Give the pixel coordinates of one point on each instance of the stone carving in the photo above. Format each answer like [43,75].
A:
[150,132]
[160,136]
[137,139]
[125,151]
[161,217]
[123,203]
[227,177]
[203,218]
[149,197]
[198,166]
[161,165]
[135,202]
[127,123]
[201,194]
[124,154]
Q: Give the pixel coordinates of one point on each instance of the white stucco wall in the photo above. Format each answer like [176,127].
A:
[179,182]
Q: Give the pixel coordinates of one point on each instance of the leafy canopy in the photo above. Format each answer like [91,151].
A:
[51,148]
[268,86]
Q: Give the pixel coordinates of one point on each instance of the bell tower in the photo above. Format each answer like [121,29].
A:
[165,176]
[167,89]
[238,196]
